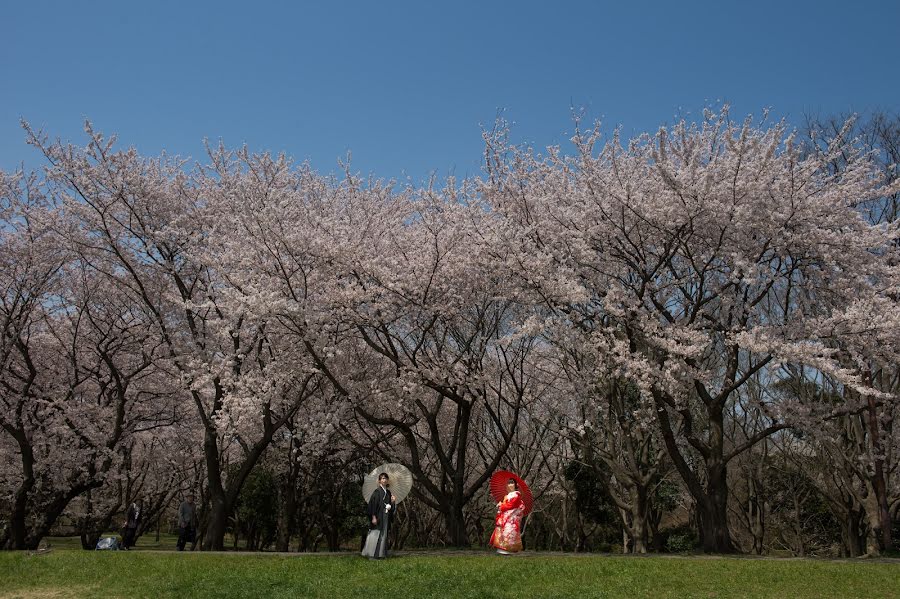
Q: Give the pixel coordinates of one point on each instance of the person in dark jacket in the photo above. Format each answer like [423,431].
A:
[187,522]
[382,504]
[132,521]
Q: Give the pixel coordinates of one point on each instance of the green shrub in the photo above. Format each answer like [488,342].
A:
[681,540]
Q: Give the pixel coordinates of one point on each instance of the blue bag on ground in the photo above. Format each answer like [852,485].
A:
[107,543]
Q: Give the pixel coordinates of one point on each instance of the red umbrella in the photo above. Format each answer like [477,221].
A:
[498,488]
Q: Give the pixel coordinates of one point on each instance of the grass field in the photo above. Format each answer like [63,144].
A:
[62,574]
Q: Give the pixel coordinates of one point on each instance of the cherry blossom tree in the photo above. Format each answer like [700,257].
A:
[387,295]
[683,257]
[154,468]
[851,459]
[873,452]
[668,302]
[441,329]
[162,236]
[30,277]
[633,456]
[77,377]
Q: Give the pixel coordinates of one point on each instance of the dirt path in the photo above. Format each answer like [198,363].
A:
[485,553]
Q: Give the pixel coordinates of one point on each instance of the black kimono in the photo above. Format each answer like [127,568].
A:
[376,542]
[132,520]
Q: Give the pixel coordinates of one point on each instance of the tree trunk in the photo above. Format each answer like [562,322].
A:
[333,539]
[639,536]
[91,528]
[639,520]
[52,512]
[712,498]
[712,510]
[18,528]
[456,525]
[883,518]
[635,527]
[89,539]
[852,539]
[214,537]
[222,498]
[757,525]
[287,505]
[89,534]
[285,513]
[881,523]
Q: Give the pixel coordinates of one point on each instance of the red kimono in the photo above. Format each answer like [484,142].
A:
[507,531]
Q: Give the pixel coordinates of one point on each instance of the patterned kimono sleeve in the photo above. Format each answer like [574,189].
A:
[512,501]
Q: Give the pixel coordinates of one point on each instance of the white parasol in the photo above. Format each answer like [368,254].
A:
[400,481]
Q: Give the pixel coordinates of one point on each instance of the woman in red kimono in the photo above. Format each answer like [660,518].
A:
[507,537]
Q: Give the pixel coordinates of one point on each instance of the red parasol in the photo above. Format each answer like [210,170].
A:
[498,488]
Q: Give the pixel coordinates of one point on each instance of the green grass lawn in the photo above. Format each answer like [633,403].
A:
[61,574]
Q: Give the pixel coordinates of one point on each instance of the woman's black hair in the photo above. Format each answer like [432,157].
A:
[384,474]
[513,481]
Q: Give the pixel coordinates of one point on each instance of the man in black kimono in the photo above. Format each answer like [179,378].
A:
[382,504]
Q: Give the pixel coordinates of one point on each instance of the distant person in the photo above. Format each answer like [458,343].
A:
[382,503]
[132,521]
[187,522]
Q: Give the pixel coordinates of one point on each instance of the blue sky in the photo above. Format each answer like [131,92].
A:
[406,86]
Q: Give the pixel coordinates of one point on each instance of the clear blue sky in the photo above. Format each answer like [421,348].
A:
[406,85]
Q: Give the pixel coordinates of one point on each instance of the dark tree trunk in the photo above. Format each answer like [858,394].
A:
[287,505]
[640,528]
[224,497]
[456,525]
[51,513]
[711,498]
[853,539]
[89,539]
[214,537]
[91,526]
[883,518]
[18,528]
[333,538]
[219,510]
[285,516]
[713,513]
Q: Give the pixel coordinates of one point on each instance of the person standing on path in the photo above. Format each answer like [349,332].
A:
[382,504]
[132,521]
[187,522]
